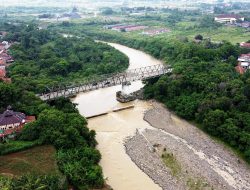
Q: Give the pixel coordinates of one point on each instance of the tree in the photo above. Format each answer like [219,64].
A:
[198,37]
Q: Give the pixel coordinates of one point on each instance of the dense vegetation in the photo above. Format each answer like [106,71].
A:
[75,144]
[43,58]
[58,124]
[48,182]
[204,86]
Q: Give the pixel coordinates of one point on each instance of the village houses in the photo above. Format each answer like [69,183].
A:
[245,45]
[12,122]
[5,59]
[243,63]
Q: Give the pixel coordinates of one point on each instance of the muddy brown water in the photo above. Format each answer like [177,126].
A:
[119,170]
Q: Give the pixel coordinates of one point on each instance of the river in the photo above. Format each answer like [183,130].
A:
[112,129]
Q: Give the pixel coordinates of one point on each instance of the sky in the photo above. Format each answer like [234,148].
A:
[79,3]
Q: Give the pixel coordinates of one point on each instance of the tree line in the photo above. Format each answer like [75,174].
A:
[44,58]
[204,86]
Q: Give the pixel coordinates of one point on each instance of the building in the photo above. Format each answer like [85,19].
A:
[2,64]
[243,63]
[245,45]
[228,18]
[12,122]
[2,73]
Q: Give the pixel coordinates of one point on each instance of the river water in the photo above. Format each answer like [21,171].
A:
[112,129]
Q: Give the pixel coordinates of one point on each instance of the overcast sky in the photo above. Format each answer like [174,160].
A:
[80,3]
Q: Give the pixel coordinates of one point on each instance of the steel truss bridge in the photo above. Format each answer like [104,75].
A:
[104,81]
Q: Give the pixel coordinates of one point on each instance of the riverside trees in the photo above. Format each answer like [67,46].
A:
[204,86]
[43,57]
[59,124]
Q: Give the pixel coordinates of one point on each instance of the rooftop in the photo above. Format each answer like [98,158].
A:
[245,45]
[11,117]
[245,56]
[2,73]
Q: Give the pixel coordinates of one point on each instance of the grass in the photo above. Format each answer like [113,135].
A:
[197,184]
[15,146]
[38,160]
[171,162]
[188,29]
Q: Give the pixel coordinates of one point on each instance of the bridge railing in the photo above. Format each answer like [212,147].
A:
[106,81]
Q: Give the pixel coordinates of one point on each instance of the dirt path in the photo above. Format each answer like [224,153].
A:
[198,161]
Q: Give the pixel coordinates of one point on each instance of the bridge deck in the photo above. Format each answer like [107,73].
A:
[117,79]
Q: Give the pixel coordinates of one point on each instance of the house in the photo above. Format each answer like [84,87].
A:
[244,58]
[12,122]
[228,18]
[2,73]
[245,45]
[244,63]
[2,64]
[6,57]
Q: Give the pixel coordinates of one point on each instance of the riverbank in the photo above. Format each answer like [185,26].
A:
[203,163]
[113,128]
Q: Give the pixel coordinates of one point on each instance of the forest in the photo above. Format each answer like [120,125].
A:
[43,58]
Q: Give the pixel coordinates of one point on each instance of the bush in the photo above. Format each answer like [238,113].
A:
[15,146]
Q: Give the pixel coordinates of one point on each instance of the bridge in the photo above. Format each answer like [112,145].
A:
[142,73]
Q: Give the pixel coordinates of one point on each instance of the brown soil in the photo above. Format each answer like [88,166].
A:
[39,160]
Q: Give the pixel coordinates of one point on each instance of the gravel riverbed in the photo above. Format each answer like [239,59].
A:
[204,163]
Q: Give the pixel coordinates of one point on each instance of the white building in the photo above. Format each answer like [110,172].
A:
[228,18]
[244,61]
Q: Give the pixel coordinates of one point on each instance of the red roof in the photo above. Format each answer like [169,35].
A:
[245,45]
[2,73]
[245,56]
[2,62]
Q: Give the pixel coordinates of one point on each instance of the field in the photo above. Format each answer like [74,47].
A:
[38,160]
[184,28]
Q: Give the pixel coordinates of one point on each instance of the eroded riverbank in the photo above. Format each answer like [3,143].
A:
[204,163]
[126,138]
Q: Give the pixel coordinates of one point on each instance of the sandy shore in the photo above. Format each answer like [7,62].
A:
[204,163]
